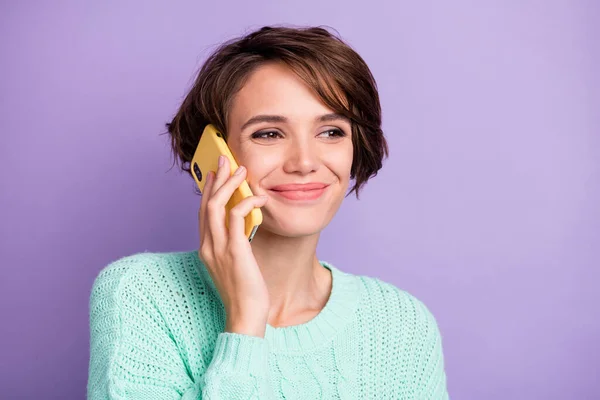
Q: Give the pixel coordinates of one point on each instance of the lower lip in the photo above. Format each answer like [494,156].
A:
[299,195]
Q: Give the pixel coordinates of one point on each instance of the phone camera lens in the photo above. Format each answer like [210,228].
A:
[197,172]
[219,134]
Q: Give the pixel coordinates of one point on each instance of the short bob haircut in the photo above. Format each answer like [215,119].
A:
[336,73]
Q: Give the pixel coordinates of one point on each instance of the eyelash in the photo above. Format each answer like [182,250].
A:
[259,135]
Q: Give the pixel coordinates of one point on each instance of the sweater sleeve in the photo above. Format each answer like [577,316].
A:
[430,375]
[133,354]
[238,369]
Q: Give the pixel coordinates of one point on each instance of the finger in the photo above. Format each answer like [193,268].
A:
[220,195]
[238,214]
[224,193]
[223,173]
[215,218]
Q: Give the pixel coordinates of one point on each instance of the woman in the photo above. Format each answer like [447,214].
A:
[267,319]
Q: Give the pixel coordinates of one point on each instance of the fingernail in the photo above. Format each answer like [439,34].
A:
[221,160]
[239,170]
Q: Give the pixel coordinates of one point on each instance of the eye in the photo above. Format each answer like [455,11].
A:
[334,133]
[268,135]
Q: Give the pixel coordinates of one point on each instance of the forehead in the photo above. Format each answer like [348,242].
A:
[274,88]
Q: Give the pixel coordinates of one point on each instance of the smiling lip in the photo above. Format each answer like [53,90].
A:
[299,186]
[308,191]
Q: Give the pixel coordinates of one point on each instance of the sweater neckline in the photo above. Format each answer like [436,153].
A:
[333,317]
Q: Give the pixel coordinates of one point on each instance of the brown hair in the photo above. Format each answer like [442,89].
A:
[337,74]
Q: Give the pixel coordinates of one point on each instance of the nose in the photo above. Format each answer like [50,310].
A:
[302,157]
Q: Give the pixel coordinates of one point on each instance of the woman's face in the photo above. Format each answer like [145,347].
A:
[283,134]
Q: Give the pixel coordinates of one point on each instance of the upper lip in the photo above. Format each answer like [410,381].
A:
[299,186]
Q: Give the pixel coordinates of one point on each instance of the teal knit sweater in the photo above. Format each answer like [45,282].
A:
[157,332]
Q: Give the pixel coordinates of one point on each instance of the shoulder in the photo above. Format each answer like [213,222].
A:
[403,332]
[404,313]
[404,325]
[141,274]
[173,288]
[126,269]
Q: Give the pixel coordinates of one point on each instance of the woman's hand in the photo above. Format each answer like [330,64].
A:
[228,255]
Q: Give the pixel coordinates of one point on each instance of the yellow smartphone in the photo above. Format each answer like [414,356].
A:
[206,158]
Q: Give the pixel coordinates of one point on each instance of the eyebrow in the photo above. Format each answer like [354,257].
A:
[281,119]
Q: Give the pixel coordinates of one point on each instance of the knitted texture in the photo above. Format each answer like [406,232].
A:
[157,332]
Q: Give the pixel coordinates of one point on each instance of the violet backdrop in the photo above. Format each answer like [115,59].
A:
[487,209]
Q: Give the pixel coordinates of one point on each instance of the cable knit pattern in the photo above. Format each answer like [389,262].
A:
[157,332]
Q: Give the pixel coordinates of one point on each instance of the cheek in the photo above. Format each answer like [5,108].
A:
[259,166]
[340,162]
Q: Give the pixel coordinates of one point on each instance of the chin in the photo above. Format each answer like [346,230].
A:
[294,224]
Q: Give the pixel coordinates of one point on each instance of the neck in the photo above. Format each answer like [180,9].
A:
[296,281]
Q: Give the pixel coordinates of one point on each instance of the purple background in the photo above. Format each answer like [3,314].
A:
[487,209]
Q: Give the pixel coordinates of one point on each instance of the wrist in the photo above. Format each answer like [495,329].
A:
[254,329]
